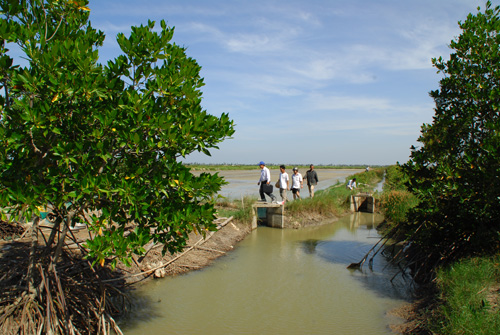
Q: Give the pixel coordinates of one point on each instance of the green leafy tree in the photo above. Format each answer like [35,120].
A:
[456,171]
[101,143]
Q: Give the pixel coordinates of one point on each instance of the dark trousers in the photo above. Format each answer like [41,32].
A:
[261,192]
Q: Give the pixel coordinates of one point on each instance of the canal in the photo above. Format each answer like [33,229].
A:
[280,282]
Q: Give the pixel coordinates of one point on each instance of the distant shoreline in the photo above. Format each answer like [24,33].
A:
[219,167]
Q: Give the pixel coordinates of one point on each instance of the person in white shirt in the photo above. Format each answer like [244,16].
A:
[265,179]
[297,183]
[351,184]
[283,183]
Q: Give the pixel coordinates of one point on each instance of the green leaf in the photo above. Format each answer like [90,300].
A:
[79,129]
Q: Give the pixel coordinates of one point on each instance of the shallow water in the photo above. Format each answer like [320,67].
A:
[279,282]
[244,182]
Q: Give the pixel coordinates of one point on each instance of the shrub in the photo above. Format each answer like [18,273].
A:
[395,205]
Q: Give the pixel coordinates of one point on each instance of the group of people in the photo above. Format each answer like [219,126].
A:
[294,183]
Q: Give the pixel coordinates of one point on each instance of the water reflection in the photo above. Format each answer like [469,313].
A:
[310,245]
[354,238]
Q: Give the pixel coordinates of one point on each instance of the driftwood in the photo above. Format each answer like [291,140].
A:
[209,249]
[384,238]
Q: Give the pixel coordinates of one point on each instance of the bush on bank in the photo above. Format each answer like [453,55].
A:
[453,233]
[396,201]
[454,171]
[467,290]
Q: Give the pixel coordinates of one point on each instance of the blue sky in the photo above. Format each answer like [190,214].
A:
[317,81]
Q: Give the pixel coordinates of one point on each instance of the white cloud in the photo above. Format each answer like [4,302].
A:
[250,43]
[112,29]
[298,72]
[348,103]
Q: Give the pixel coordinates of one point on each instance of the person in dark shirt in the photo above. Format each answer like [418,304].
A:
[312,179]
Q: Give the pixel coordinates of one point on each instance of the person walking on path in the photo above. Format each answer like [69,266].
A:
[265,179]
[297,183]
[283,183]
[312,179]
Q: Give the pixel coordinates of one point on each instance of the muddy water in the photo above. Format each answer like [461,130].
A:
[244,182]
[279,282]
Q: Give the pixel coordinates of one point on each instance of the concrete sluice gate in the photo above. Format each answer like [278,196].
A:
[362,202]
[271,215]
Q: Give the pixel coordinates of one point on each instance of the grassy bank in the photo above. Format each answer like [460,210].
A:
[240,210]
[468,298]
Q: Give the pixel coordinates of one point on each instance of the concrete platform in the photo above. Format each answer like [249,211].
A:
[271,214]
